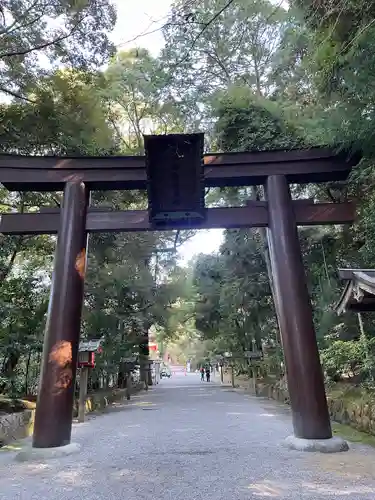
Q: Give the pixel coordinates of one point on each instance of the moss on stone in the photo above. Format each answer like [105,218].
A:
[9,405]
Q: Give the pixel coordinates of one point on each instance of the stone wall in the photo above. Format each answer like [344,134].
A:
[273,391]
[99,401]
[356,410]
[14,426]
[358,414]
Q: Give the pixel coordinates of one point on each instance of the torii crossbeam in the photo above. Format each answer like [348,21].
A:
[275,170]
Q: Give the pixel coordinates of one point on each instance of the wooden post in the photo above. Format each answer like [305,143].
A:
[149,375]
[128,382]
[255,376]
[304,373]
[143,368]
[83,381]
[144,361]
[158,373]
[53,416]
[148,370]
[252,376]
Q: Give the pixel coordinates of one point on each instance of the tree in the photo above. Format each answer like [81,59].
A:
[213,45]
[125,298]
[247,122]
[23,305]
[253,76]
[234,298]
[36,37]
[135,93]
[66,116]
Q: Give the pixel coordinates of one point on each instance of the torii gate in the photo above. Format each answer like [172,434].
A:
[176,173]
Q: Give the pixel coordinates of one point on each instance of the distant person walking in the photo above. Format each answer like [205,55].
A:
[208,373]
[202,374]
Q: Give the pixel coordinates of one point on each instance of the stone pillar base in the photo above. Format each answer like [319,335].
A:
[332,445]
[31,454]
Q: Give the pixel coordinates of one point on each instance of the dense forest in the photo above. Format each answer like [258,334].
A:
[252,74]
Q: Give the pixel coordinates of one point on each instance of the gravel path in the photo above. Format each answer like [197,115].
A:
[190,440]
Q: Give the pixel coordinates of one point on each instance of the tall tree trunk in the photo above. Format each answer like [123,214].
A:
[9,367]
[26,386]
[121,377]
[256,196]
[11,363]
[8,267]
[18,246]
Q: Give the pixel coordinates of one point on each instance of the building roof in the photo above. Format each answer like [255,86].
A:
[359,292]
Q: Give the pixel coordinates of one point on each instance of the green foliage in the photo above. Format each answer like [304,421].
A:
[254,77]
[67,101]
[60,32]
[235,49]
[135,89]
[234,304]
[350,359]
[251,123]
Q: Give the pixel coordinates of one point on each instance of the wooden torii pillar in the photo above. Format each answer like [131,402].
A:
[275,169]
[53,416]
[311,420]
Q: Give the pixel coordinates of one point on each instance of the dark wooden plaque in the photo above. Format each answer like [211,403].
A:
[175,177]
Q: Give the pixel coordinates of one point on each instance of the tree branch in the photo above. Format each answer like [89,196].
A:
[9,29]
[205,27]
[42,45]
[16,95]
[176,239]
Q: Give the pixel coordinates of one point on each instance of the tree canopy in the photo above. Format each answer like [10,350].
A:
[251,74]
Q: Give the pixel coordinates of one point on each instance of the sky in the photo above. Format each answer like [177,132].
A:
[137,18]
[135,21]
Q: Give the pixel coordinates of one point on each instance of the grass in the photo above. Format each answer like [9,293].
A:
[353,435]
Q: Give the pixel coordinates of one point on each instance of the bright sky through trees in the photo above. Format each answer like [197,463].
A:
[138,25]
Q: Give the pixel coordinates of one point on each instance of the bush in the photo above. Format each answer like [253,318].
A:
[353,359]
